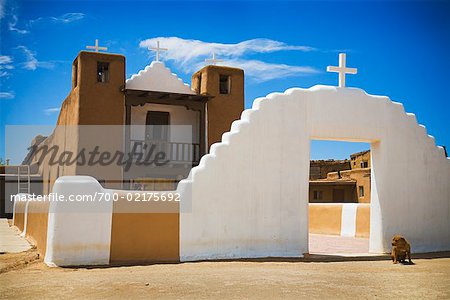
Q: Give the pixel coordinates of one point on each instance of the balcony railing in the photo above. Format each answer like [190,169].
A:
[175,152]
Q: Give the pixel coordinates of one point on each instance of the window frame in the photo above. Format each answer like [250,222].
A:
[103,78]
[228,84]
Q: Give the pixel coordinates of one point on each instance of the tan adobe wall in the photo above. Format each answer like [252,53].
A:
[325,219]
[222,110]
[357,158]
[65,137]
[88,103]
[19,214]
[363,221]
[101,103]
[145,237]
[37,222]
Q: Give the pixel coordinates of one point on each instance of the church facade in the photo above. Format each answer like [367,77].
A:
[152,111]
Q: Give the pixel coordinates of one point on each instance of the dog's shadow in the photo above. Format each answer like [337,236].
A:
[407,263]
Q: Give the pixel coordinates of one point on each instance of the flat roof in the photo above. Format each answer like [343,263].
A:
[141,96]
[332,182]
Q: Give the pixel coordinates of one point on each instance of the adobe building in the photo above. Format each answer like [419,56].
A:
[153,107]
[347,181]
[318,169]
[248,197]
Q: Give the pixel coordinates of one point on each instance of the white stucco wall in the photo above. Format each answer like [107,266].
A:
[157,77]
[249,196]
[348,219]
[79,233]
[179,115]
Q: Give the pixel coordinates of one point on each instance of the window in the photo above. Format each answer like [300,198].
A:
[317,195]
[224,86]
[361,191]
[157,125]
[364,164]
[102,72]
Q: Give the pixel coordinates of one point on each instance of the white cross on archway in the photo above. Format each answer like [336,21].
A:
[342,69]
[158,49]
[96,47]
[214,60]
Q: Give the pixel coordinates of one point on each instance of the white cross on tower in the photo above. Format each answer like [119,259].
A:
[342,69]
[96,47]
[213,60]
[158,49]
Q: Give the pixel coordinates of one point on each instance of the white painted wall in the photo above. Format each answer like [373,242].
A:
[179,115]
[157,77]
[348,219]
[249,196]
[79,233]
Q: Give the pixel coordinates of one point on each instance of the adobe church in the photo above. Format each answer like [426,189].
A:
[153,105]
[243,174]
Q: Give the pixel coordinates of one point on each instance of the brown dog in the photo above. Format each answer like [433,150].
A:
[400,249]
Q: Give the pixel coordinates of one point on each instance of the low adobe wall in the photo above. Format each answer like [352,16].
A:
[37,222]
[142,234]
[31,218]
[19,214]
[102,232]
[325,218]
[363,221]
[345,219]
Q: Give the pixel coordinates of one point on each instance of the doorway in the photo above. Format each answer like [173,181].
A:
[339,198]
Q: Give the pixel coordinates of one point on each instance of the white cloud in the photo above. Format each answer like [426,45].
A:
[7,95]
[262,71]
[65,18]
[31,62]
[62,19]
[5,59]
[190,55]
[52,110]
[5,64]
[12,26]
[68,18]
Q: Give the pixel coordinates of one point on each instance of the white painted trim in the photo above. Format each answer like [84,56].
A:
[348,219]
[157,77]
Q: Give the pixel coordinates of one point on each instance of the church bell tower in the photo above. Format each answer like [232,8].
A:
[226,86]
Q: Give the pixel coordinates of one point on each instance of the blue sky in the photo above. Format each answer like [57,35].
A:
[401,49]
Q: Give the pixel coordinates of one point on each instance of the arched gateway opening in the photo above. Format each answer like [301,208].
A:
[249,196]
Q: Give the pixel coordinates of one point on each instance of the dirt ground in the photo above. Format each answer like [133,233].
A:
[427,278]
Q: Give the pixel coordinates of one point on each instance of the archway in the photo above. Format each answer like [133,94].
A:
[249,196]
